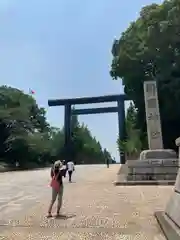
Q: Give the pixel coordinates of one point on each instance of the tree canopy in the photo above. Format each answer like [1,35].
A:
[150,50]
[29,140]
[132,145]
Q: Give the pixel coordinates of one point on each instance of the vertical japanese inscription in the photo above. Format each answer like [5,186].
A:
[152,115]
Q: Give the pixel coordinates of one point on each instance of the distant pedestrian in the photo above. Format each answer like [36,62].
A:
[64,166]
[17,164]
[57,173]
[70,169]
[107,163]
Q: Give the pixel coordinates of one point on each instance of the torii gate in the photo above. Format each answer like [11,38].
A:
[68,112]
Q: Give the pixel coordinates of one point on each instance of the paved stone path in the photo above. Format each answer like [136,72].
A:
[94,207]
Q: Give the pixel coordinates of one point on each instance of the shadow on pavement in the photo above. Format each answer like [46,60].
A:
[65,217]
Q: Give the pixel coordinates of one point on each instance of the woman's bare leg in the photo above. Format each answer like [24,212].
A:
[54,196]
[60,198]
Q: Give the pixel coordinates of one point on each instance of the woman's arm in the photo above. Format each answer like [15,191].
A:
[52,173]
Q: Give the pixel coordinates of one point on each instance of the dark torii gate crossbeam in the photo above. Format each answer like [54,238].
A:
[68,112]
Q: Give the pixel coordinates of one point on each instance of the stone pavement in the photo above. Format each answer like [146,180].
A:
[94,207]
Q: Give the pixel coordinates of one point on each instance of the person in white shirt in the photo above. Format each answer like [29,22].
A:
[70,169]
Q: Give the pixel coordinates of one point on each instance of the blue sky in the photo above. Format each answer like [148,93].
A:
[62,48]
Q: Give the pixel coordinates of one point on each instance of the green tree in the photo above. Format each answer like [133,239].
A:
[57,143]
[150,49]
[27,138]
[85,147]
[21,122]
[132,145]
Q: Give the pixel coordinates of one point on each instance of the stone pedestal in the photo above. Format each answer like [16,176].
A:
[169,220]
[154,165]
[158,154]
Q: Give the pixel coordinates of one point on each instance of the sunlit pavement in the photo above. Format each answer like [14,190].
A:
[94,207]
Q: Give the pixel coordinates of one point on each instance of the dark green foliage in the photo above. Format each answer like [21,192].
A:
[150,49]
[132,146]
[27,138]
[85,148]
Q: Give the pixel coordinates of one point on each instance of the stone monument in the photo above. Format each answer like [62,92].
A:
[153,120]
[155,165]
[169,219]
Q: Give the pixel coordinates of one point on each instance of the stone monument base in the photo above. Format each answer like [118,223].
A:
[169,220]
[169,228]
[154,167]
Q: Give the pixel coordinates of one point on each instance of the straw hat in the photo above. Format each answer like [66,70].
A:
[58,164]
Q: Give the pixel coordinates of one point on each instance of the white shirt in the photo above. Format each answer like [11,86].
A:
[70,166]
